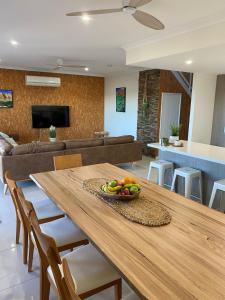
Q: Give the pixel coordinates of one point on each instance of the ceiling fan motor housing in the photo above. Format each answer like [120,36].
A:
[130,10]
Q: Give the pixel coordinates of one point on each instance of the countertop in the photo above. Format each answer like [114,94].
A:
[197,150]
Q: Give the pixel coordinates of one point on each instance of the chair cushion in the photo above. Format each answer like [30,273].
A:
[118,140]
[88,268]
[46,209]
[64,231]
[83,143]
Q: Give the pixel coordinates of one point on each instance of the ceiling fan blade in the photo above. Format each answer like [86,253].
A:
[94,12]
[148,20]
[138,3]
[74,66]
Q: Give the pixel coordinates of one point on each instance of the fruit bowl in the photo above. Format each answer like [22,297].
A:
[125,189]
[119,197]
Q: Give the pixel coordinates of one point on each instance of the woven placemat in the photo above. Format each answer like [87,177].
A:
[141,210]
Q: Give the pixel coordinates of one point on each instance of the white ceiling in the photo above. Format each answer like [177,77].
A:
[208,60]
[44,32]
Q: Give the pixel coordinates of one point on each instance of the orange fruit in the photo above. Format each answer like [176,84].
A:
[128,179]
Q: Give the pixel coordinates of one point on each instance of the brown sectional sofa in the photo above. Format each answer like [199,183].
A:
[23,160]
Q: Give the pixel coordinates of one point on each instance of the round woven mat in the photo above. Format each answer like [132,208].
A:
[141,210]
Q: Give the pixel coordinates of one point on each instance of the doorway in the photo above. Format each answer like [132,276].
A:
[170,113]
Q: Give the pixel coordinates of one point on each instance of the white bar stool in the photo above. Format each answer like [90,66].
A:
[161,166]
[218,185]
[188,174]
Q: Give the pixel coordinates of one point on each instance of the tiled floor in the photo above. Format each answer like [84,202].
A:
[15,282]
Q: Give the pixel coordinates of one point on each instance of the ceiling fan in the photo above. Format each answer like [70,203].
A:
[129,7]
[60,64]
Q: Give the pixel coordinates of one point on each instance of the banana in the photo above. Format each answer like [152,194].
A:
[114,189]
[128,185]
[109,192]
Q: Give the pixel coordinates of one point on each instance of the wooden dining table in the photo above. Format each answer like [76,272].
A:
[182,260]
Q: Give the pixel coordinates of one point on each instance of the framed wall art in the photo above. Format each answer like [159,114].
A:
[6,98]
[121,99]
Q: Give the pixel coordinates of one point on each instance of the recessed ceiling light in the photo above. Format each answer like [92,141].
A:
[14,43]
[86,69]
[188,62]
[86,18]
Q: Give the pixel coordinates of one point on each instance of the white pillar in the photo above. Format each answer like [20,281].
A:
[202,107]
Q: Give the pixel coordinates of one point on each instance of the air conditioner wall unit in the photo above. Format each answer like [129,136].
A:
[43,81]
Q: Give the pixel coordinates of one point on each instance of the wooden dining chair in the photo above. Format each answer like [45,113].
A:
[67,161]
[68,280]
[65,233]
[12,184]
[90,272]
[46,210]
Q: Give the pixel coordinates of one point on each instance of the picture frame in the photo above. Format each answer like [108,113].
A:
[6,98]
[121,99]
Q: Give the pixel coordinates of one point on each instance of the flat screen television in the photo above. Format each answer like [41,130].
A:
[43,116]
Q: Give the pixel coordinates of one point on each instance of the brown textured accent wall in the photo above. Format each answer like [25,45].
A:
[84,95]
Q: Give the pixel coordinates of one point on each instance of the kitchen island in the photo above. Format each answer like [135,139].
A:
[207,158]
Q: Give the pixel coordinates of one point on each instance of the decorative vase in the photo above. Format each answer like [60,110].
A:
[172,139]
[52,140]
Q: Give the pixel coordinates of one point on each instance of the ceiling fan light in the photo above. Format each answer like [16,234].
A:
[85,17]
[189,62]
[129,10]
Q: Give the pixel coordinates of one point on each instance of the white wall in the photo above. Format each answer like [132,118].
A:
[119,123]
[202,107]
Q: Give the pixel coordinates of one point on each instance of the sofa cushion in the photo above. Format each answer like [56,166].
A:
[49,147]
[5,147]
[119,140]
[23,149]
[38,147]
[83,143]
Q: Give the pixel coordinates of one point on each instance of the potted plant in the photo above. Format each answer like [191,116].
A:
[52,134]
[175,132]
